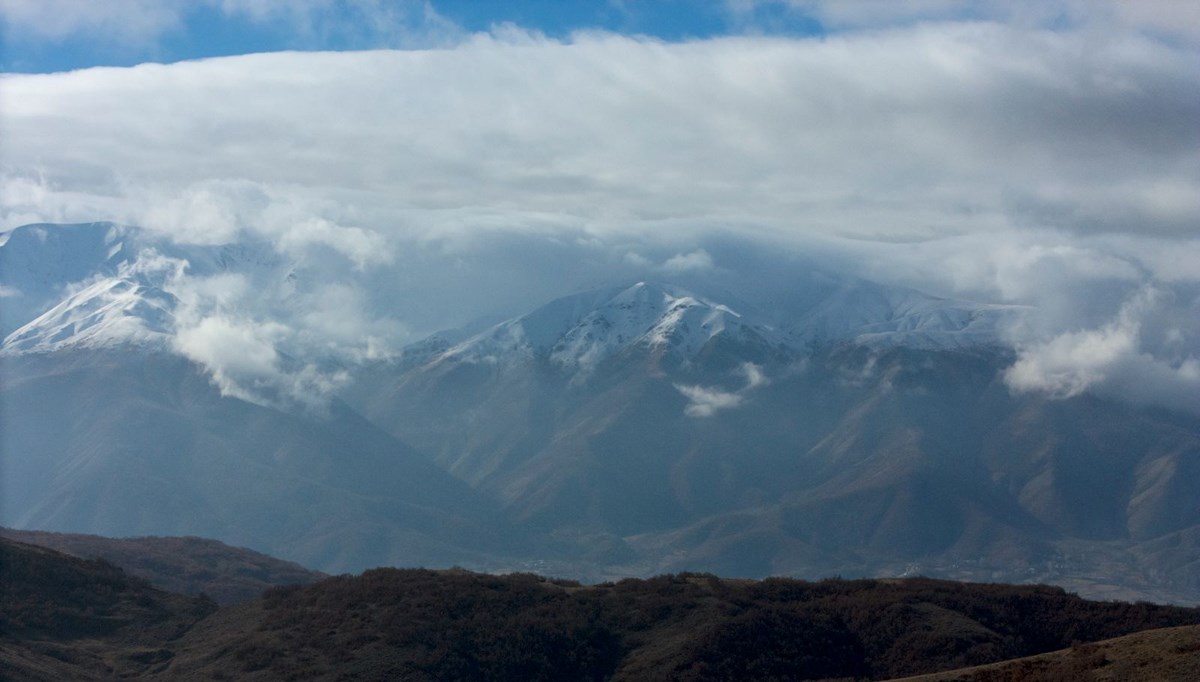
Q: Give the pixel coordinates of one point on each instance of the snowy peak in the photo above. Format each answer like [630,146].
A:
[38,261]
[100,284]
[577,332]
[47,256]
[871,314]
[115,310]
[653,316]
[128,307]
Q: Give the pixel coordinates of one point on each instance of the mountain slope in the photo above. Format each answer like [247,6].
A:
[187,565]
[824,424]
[65,618]
[108,312]
[103,285]
[143,444]
[1161,654]
[853,459]
[38,261]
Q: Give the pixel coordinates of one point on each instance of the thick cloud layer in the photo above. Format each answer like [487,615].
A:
[1002,162]
[910,134]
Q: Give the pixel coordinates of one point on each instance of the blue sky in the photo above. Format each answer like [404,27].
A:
[56,35]
[41,36]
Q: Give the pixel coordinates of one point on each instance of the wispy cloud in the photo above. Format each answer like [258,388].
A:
[1180,20]
[706,401]
[142,25]
[116,20]
[687,262]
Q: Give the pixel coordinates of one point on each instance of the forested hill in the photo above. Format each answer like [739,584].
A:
[66,618]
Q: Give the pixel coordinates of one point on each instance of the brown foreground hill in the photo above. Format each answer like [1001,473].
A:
[63,617]
[188,565]
[1163,654]
[66,618]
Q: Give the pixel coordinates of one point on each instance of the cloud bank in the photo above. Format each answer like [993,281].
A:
[907,134]
[986,157]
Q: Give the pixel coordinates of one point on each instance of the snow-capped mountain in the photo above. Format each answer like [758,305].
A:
[875,315]
[832,425]
[101,284]
[861,452]
[38,262]
[577,332]
[108,312]
[105,284]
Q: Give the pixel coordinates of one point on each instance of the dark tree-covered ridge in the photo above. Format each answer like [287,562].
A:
[63,618]
[457,625]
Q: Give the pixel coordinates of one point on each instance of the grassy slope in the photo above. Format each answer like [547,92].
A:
[187,565]
[63,618]
[1162,654]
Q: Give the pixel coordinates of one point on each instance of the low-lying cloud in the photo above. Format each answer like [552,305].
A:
[266,334]
[706,401]
[1115,360]
[242,362]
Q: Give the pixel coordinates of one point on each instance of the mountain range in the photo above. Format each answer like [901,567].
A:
[833,426]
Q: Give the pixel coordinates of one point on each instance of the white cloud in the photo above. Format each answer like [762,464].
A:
[994,160]
[365,23]
[195,215]
[107,21]
[222,291]
[139,25]
[335,317]
[1179,19]
[921,132]
[687,262]
[363,247]
[29,197]
[1111,360]
[268,340]
[241,358]
[637,260]
[705,401]
[219,212]
[231,348]
[754,376]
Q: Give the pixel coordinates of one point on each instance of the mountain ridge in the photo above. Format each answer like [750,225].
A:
[843,427]
[103,283]
[66,618]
